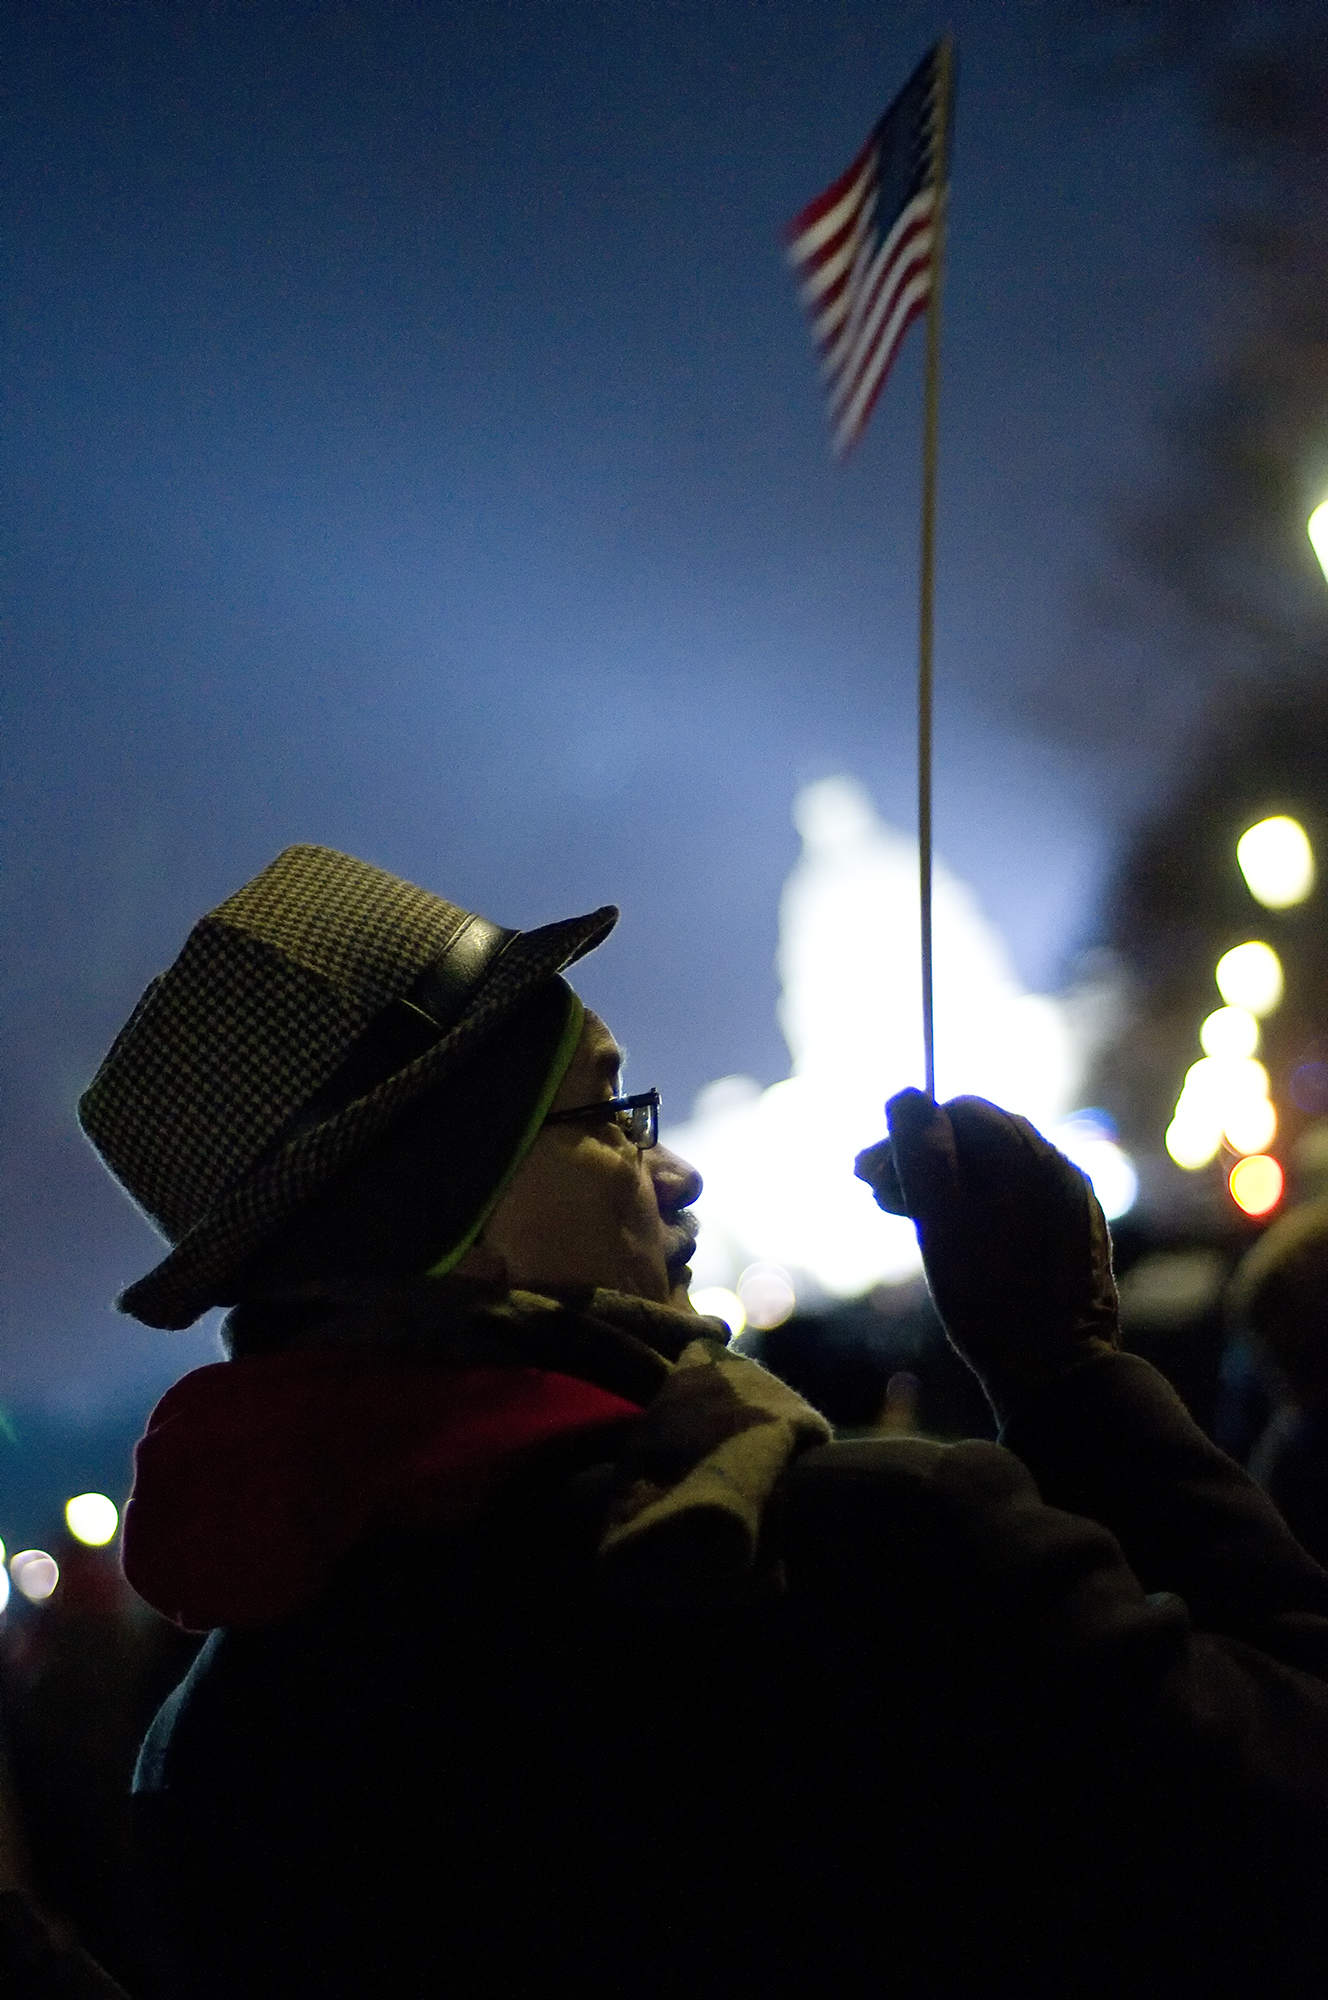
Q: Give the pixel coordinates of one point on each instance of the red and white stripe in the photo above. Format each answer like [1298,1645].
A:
[861,294]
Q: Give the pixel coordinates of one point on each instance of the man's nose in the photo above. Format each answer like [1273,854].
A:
[677,1183]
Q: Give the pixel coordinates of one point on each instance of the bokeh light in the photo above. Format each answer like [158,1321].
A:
[1193,1137]
[1222,1097]
[1224,1081]
[767,1295]
[1250,1127]
[35,1574]
[1318,534]
[92,1518]
[718,1302]
[4,1587]
[1256,1184]
[1250,975]
[1229,1031]
[1277,862]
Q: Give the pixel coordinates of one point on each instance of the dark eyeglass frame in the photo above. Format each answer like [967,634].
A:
[637,1117]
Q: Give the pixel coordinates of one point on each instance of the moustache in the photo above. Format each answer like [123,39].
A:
[684,1244]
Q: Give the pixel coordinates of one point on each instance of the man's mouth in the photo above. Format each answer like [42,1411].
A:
[684,1249]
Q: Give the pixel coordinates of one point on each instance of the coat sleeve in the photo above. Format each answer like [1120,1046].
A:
[1112,1441]
[1135,1751]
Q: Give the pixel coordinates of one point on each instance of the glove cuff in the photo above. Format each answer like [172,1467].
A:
[1017,1381]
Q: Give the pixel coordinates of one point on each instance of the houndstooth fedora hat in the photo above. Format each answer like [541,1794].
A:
[303,1016]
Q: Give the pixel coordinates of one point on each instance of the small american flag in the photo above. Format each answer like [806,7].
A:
[863,249]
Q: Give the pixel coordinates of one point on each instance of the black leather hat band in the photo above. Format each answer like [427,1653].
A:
[429,1009]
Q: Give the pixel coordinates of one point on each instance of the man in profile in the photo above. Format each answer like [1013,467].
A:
[552,1644]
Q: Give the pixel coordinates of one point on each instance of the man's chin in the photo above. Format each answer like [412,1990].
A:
[680,1289]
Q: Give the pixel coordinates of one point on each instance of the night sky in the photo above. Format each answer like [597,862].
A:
[414,445]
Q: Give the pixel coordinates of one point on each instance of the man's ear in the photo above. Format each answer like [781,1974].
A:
[487,1266]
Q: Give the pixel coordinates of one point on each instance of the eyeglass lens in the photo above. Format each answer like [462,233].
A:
[641,1123]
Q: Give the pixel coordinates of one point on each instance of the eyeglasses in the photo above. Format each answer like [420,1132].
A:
[636,1117]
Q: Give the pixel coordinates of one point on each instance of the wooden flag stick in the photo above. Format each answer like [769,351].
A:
[931,400]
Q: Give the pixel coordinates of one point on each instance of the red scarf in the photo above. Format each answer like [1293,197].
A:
[255,1476]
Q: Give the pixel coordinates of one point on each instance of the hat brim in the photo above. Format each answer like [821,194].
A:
[198,1272]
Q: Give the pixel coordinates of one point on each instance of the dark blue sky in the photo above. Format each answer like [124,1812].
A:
[413,445]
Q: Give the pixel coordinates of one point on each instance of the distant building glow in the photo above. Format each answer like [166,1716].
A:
[778,1163]
[1277,862]
[1090,1141]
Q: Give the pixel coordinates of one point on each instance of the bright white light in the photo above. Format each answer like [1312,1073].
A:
[1318,533]
[1250,975]
[1086,1139]
[767,1295]
[1249,1128]
[92,1518]
[1229,1031]
[1222,1082]
[1224,1096]
[1277,862]
[778,1163]
[4,1589]
[718,1302]
[779,1187]
[35,1573]
[1193,1139]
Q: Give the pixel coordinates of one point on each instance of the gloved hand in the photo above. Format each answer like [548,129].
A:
[1015,1246]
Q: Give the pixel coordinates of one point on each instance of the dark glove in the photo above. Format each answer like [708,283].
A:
[1016,1249]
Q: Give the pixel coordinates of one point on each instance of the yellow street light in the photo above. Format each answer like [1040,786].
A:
[1318,533]
[1256,1184]
[1250,976]
[1229,1031]
[1250,1127]
[92,1519]
[1277,862]
[1193,1138]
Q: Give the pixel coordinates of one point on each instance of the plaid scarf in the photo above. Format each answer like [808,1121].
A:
[692,1483]
[411,1406]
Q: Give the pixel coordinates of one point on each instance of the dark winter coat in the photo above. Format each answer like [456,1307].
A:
[1042,1718]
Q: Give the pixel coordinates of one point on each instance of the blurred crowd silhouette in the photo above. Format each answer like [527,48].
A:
[81,1676]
